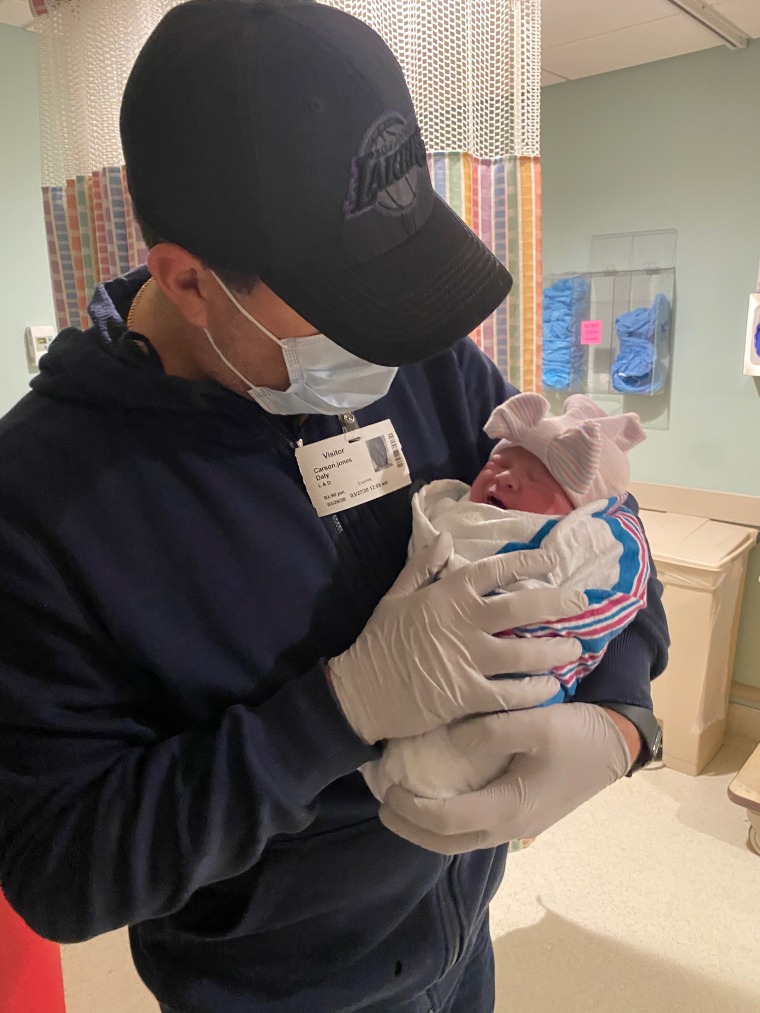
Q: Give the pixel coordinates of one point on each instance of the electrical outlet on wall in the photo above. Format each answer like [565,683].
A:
[38,341]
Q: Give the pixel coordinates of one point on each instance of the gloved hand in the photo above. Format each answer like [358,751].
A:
[424,657]
[561,756]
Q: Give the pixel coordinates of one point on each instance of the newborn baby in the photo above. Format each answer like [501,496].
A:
[556,484]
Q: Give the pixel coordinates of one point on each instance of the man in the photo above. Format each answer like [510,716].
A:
[197,653]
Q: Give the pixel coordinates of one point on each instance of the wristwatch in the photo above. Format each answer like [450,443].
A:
[648,728]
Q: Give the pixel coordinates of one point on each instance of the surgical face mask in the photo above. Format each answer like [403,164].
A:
[325,379]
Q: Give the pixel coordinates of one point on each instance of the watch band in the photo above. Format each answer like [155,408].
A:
[648,728]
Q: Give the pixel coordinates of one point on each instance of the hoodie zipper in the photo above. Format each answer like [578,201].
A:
[449,906]
[452,878]
[354,528]
[348,424]
[286,442]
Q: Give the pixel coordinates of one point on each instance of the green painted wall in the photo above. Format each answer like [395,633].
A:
[25,292]
[675,145]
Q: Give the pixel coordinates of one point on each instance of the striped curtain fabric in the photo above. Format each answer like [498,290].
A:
[91,236]
[500,199]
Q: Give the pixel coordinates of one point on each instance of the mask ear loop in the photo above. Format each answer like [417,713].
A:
[254,321]
[227,362]
[241,309]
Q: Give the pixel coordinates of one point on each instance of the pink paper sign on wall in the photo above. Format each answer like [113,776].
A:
[591,332]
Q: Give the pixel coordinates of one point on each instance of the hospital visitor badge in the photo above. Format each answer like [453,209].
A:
[353,468]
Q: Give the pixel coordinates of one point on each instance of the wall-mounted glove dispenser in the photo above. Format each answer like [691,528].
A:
[609,331]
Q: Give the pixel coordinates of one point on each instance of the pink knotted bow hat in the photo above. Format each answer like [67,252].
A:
[585,449]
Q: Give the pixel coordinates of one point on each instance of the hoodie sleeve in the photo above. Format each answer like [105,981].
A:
[104,822]
[634,657]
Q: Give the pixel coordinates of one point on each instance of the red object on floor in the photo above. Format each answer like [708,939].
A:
[31,980]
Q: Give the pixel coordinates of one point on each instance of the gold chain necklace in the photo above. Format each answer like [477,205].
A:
[136,302]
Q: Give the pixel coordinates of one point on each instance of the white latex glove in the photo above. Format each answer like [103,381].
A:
[562,756]
[425,655]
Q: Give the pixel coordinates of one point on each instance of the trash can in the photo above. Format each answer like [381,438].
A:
[702,565]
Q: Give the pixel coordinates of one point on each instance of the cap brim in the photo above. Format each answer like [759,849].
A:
[410,303]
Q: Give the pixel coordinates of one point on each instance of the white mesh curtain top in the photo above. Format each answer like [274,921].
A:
[473,68]
[87,49]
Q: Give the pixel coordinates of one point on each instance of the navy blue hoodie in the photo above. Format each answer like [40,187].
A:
[170,756]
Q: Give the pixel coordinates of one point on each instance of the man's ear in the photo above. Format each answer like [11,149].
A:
[183,279]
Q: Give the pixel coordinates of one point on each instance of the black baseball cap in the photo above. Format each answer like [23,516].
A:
[277,138]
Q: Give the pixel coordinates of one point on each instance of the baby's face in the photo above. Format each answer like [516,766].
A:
[515,479]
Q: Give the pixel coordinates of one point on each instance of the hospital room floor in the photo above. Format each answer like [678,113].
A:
[647,900]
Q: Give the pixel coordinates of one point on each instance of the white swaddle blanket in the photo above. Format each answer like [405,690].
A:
[586,550]
[598,548]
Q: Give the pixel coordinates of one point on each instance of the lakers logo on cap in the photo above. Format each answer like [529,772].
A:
[384,173]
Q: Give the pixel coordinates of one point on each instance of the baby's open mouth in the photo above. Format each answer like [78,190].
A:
[493,500]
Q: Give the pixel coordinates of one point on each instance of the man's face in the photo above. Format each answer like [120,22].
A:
[196,295]
[515,479]
[253,352]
